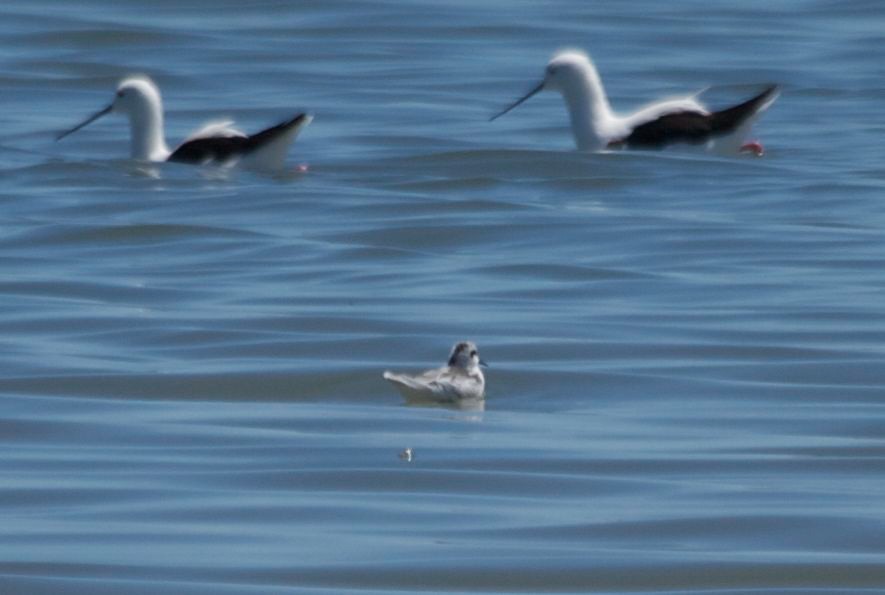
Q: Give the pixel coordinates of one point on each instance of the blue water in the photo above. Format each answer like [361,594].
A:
[686,382]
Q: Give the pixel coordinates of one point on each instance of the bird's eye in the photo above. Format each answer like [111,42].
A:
[120,93]
[473,353]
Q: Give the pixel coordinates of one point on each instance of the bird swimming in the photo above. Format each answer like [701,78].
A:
[675,121]
[461,379]
[138,98]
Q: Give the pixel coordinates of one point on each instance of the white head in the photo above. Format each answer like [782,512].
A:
[138,98]
[465,356]
[572,73]
[568,70]
[136,95]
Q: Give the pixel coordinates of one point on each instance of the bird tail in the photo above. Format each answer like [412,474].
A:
[268,148]
[399,379]
[407,386]
[730,119]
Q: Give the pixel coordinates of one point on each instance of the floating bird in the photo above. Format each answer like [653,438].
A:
[674,121]
[461,379]
[139,98]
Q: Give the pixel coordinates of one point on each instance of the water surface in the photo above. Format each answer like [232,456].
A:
[686,383]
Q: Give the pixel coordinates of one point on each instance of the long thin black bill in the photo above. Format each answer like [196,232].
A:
[85,122]
[525,97]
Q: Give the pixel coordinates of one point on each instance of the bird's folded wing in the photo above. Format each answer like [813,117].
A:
[433,383]
[654,111]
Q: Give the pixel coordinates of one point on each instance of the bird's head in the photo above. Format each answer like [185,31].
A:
[566,70]
[136,96]
[465,356]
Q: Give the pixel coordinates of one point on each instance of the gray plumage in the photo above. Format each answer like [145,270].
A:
[461,379]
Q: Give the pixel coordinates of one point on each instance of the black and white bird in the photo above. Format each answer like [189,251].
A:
[461,379]
[674,121]
[138,98]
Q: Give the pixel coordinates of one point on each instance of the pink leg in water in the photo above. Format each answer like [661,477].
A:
[754,147]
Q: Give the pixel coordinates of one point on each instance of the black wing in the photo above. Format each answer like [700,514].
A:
[727,120]
[675,127]
[207,150]
[694,127]
[259,139]
[223,148]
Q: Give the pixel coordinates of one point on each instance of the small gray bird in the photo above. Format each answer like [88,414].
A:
[462,379]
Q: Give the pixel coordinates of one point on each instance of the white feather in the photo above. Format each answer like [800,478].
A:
[442,385]
[215,129]
[657,109]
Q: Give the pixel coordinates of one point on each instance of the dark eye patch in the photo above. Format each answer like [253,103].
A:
[459,348]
